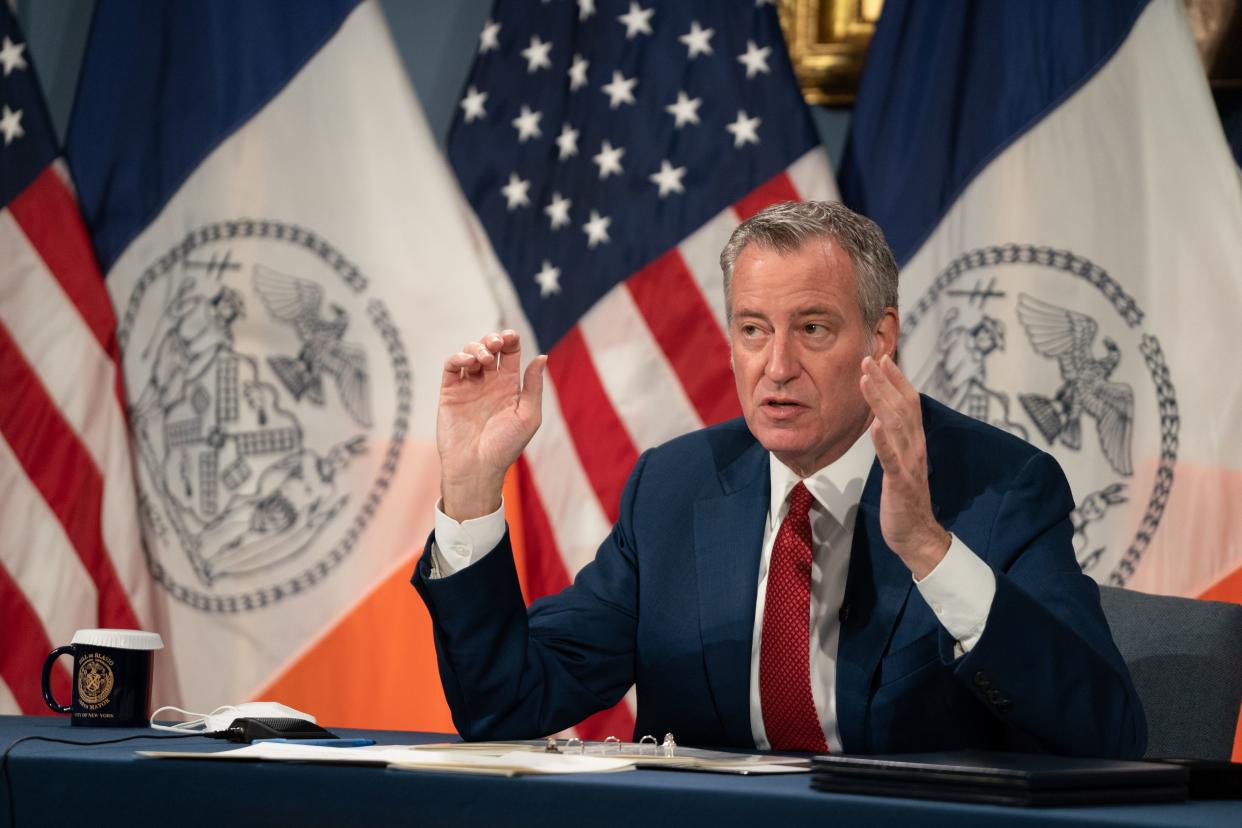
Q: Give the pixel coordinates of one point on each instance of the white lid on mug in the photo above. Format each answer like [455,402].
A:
[122,639]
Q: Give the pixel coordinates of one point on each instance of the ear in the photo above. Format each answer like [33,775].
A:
[886,334]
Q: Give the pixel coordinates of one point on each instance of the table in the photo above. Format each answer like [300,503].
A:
[55,784]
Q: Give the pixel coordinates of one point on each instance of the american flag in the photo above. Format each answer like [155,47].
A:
[608,150]
[70,552]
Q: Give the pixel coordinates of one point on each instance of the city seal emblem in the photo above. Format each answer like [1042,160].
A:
[95,680]
[1048,346]
[269,399]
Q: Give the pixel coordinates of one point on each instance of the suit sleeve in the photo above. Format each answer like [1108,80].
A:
[1046,662]
[513,673]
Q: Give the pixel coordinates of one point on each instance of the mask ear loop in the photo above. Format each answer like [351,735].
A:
[195,720]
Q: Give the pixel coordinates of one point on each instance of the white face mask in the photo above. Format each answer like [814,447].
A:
[220,718]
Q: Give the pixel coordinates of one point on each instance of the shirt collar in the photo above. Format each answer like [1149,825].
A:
[837,487]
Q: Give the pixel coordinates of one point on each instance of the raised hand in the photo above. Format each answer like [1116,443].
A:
[906,520]
[485,419]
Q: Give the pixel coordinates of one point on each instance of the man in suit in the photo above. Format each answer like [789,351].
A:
[850,567]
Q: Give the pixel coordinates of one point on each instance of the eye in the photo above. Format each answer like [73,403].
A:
[814,328]
[750,330]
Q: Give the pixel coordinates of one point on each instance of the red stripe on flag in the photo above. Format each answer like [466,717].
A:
[546,575]
[603,445]
[26,645]
[63,471]
[49,216]
[776,189]
[545,569]
[683,325]
[615,721]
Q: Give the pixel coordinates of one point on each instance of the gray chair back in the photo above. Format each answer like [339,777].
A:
[1185,657]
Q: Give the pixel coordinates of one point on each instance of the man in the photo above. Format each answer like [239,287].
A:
[851,567]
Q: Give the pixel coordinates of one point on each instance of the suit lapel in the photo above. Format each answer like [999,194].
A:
[728,537]
[875,592]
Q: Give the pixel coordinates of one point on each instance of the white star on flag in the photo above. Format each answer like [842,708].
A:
[586,8]
[11,56]
[489,38]
[697,40]
[620,91]
[744,129]
[577,73]
[11,125]
[637,21]
[597,229]
[472,104]
[668,179]
[536,55]
[685,110]
[755,59]
[515,192]
[567,141]
[527,124]
[549,279]
[558,210]
[609,160]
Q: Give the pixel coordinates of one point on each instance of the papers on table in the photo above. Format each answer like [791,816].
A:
[661,757]
[507,758]
[503,763]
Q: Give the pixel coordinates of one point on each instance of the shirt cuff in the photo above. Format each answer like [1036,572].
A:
[960,591]
[458,545]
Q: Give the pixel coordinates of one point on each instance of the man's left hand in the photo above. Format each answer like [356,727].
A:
[906,519]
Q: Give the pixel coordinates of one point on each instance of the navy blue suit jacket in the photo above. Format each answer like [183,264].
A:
[668,605]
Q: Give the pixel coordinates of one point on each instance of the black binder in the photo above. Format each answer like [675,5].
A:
[1027,780]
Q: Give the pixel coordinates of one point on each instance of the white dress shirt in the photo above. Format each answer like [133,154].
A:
[959,590]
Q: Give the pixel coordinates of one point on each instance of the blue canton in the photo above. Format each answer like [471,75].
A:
[593,137]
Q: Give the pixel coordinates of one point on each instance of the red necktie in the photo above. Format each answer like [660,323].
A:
[789,715]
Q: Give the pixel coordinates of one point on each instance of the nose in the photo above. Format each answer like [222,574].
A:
[782,364]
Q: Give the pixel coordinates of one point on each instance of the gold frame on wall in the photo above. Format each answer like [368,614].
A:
[827,42]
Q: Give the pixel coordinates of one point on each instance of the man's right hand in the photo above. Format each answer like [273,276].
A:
[484,421]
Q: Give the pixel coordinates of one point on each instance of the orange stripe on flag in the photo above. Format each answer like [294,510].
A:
[775,189]
[1228,588]
[387,638]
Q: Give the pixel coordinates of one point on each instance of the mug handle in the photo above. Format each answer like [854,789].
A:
[47,678]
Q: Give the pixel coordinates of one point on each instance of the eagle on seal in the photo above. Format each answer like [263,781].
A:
[298,302]
[1067,337]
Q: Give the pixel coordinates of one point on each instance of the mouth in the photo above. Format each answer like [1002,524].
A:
[780,404]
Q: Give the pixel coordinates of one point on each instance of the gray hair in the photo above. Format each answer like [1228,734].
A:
[786,226]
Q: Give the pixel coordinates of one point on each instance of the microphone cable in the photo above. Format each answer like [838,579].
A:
[4,758]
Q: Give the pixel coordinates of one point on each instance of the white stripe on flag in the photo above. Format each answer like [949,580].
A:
[636,375]
[81,380]
[54,581]
[578,521]
[812,177]
[701,252]
[8,704]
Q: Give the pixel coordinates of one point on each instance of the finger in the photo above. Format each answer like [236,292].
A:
[512,343]
[898,379]
[530,401]
[879,393]
[480,352]
[459,361]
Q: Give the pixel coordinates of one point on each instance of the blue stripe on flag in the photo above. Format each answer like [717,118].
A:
[155,98]
[939,100]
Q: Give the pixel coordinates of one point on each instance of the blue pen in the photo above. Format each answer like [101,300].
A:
[345,743]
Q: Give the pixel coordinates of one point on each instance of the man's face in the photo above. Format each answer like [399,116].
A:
[798,340]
